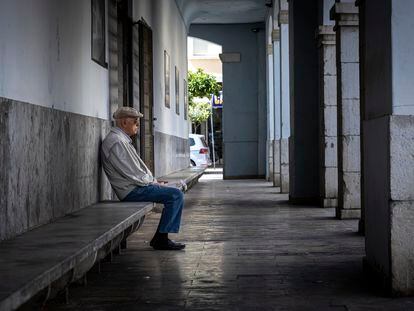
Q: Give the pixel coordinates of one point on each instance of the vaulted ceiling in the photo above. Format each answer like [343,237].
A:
[222,11]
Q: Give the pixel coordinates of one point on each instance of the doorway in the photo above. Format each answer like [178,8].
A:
[143,63]
[131,66]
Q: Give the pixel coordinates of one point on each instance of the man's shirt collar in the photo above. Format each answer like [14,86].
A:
[122,133]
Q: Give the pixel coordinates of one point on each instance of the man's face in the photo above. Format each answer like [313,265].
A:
[130,126]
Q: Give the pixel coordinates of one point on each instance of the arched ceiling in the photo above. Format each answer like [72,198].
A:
[222,11]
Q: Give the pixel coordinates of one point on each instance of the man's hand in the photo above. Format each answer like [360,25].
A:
[159,182]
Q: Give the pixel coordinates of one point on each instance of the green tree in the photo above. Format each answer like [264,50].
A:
[199,111]
[201,86]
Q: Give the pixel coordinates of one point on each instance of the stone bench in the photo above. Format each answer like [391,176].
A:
[190,176]
[41,262]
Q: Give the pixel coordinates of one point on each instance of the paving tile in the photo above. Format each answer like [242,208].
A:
[247,249]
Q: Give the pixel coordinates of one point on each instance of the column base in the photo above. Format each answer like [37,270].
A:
[329,203]
[389,201]
[271,173]
[314,201]
[284,179]
[276,179]
[284,165]
[270,161]
[377,278]
[361,227]
[348,213]
[381,281]
[276,163]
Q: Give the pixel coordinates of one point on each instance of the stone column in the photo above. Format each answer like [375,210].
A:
[361,225]
[304,102]
[328,117]
[388,142]
[276,99]
[284,95]
[270,106]
[345,15]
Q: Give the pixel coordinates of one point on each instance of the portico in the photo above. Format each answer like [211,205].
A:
[318,100]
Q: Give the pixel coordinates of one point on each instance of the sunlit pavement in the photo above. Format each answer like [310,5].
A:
[247,249]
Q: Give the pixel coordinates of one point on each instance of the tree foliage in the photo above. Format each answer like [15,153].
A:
[201,86]
[199,111]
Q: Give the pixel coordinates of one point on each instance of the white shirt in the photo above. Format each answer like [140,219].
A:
[122,164]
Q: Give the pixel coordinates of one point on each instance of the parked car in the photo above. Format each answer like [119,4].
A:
[199,151]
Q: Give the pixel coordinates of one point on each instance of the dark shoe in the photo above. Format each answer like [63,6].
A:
[168,245]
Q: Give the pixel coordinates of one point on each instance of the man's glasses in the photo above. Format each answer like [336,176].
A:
[136,121]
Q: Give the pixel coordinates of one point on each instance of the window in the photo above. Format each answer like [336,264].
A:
[200,47]
[191,141]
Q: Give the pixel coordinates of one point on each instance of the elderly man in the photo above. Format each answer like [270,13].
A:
[132,181]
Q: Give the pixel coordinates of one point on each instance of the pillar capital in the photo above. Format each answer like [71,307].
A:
[325,35]
[275,35]
[283,17]
[344,14]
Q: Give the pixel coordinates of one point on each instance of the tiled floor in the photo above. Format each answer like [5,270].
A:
[247,249]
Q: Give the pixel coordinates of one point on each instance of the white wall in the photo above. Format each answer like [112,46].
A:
[45,56]
[213,50]
[402,55]
[244,90]
[169,33]
[210,61]
[327,5]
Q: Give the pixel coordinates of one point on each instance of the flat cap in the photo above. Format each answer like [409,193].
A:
[127,112]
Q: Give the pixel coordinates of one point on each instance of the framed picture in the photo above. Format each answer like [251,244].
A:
[185,100]
[98,34]
[177,91]
[167,78]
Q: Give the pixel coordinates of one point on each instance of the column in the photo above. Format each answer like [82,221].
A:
[328,116]
[304,103]
[276,93]
[270,99]
[388,142]
[361,225]
[284,95]
[345,15]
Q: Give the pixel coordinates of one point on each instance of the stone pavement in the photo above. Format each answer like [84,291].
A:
[247,249]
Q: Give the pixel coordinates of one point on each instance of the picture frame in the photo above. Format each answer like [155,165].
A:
[167,77]
[185,100]
[177,91]
[98,32]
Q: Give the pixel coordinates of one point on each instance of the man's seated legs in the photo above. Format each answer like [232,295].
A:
[173,200]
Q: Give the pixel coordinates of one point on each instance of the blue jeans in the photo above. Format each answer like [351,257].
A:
[172,198]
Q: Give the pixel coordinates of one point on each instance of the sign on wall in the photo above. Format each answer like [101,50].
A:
[217,101]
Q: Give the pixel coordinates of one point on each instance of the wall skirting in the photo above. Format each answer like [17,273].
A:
[49,165]
[171,153]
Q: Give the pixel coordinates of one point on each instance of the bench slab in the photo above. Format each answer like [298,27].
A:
[36,259]
[32,261]
[190,176]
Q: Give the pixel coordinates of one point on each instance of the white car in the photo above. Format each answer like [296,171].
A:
[199,151]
